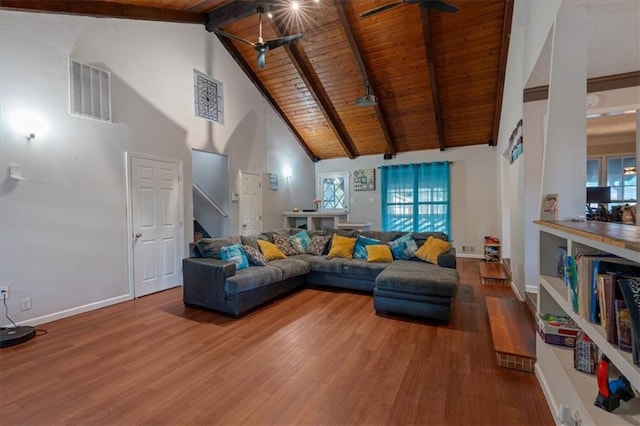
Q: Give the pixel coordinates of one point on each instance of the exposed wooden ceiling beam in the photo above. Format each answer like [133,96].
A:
[235,54]
[105,9]
[597,84]
[391,149]
[502,70]
[235,11]
[431,64]
[305,69]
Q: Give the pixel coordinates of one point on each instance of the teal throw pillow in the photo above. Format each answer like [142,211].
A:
[360,250]
[403,248]
[235,254]
[300,241]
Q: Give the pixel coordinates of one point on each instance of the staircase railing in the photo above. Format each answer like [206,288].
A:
[210,201]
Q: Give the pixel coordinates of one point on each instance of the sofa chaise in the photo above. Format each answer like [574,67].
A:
[408,287]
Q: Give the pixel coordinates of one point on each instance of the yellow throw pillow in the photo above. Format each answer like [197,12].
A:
[342,247]
[270,250]
[430,250]
[379,253]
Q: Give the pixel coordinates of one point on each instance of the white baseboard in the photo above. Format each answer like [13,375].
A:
[546,392]
[531,289]
[515,290]
[470,256]
[77,310]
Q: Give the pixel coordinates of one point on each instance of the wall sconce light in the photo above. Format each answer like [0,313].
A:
[629,171]
[28,123]
[286,171]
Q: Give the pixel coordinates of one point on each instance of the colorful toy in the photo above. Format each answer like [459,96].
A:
[610,392]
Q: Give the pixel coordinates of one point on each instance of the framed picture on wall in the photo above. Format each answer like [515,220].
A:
[364,180]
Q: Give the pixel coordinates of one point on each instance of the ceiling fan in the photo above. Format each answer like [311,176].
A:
[261,46]
[426,4]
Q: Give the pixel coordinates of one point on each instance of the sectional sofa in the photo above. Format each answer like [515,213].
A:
[407,287]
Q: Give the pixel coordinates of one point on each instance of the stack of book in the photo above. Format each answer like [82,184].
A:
[605,289]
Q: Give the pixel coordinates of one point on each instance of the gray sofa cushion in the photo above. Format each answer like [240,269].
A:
[383,236]
[422,237]
[322,264]
[291,267]
[252,240]
[210,247]
[361,267]
[251,278]
[418,277]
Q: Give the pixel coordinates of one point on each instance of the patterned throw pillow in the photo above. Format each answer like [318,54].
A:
[404,247]
[234,254]
[317,245]
[341,247]
[282,241]
[360,250]
[255,256]
[270,250]
[433,248]
[300,241]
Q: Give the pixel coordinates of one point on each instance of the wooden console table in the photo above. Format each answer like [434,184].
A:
[314,220]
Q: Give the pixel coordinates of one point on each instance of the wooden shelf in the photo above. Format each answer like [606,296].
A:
[492,252]
[562,384]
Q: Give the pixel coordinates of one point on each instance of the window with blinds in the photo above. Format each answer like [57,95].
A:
[416,197]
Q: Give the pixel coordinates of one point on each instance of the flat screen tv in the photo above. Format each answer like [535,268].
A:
[598,195]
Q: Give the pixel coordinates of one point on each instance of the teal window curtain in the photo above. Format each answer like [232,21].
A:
[416,197]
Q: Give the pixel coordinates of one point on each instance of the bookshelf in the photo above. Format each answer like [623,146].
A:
[492,250]
[561,383]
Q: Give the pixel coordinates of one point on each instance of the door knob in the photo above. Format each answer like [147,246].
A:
[244,225]
[138,235]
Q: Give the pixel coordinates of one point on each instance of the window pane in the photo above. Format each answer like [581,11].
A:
[333,195]
[593,172]
[623,187]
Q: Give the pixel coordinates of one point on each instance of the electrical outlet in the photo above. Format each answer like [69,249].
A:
[25,304]
[4,292]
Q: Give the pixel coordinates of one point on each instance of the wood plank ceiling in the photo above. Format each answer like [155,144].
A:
[438,76]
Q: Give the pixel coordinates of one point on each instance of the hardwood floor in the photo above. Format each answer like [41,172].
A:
[314,357]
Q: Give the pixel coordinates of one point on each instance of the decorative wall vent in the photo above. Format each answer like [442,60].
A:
[208,98]
[90,91]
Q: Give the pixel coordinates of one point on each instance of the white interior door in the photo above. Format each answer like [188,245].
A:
[250,204]
[156,225]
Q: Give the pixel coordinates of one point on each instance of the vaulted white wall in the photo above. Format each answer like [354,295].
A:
[63,233]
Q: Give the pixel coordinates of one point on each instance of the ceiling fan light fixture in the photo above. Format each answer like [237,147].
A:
[368,99]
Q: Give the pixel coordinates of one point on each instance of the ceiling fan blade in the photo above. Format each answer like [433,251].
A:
[234,37]
[262,56]
[438,5]
[277,42]
[379,9]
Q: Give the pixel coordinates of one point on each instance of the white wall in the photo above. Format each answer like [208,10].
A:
[531,24]
[474,211]
[291,192]
[63,233]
